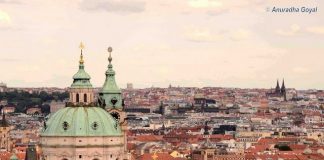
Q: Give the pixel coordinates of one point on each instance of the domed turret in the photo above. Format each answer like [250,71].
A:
[81,91]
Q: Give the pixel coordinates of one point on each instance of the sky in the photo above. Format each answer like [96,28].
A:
[220,43]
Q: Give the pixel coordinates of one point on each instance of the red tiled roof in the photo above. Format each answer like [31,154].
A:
[148,138]
[297,146]
[160,156]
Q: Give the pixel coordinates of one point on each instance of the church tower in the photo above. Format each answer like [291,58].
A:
[110,98]
[277,87]
[82,130]
[283,90]
[81,91]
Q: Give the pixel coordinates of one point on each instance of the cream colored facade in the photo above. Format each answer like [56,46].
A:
[81,95]
[83,148]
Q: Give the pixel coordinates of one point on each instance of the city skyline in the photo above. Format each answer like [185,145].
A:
[194,44]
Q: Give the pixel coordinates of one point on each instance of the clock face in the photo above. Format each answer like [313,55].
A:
[115,115]
[113,101]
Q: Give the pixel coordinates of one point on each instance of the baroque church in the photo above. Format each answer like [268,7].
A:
[87,128]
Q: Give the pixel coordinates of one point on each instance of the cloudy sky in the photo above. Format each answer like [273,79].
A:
[227,43]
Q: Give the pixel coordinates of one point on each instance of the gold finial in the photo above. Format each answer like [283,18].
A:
[81,46]
[81,56]
[154,156]
[109,58]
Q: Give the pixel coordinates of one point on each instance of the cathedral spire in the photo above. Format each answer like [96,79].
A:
[283,87]
[277,87]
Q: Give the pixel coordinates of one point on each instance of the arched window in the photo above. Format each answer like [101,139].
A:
[77,97]
[85,98]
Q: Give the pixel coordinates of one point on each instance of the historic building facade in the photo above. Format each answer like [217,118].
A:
[84,130]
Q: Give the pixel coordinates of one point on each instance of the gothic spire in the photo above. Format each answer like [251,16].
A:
[277,87]
[283,87]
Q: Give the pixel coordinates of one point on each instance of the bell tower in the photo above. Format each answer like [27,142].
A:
[110,94]
[110,98]
[81,91]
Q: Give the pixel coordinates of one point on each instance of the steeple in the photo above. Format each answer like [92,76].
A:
[81,91]
[283,87]
[110,95]
[283,90]
[277,87]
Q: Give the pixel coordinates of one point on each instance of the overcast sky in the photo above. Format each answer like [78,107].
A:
[225,43]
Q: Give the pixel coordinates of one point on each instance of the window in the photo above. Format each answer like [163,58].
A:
[80,156]
[94,125]
[85,98]
[77,97]
[65,125]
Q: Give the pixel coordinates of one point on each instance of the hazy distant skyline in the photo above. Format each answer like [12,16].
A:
[225,43]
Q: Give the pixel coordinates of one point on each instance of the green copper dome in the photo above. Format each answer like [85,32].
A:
[81,79]
[110,85]
[81,121]
[81,74]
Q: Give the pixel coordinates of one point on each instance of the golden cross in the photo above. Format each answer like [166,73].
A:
[81,56]
[154,157]
[81,46]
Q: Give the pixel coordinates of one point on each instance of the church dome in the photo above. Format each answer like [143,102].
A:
[81,74]
[81,121]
